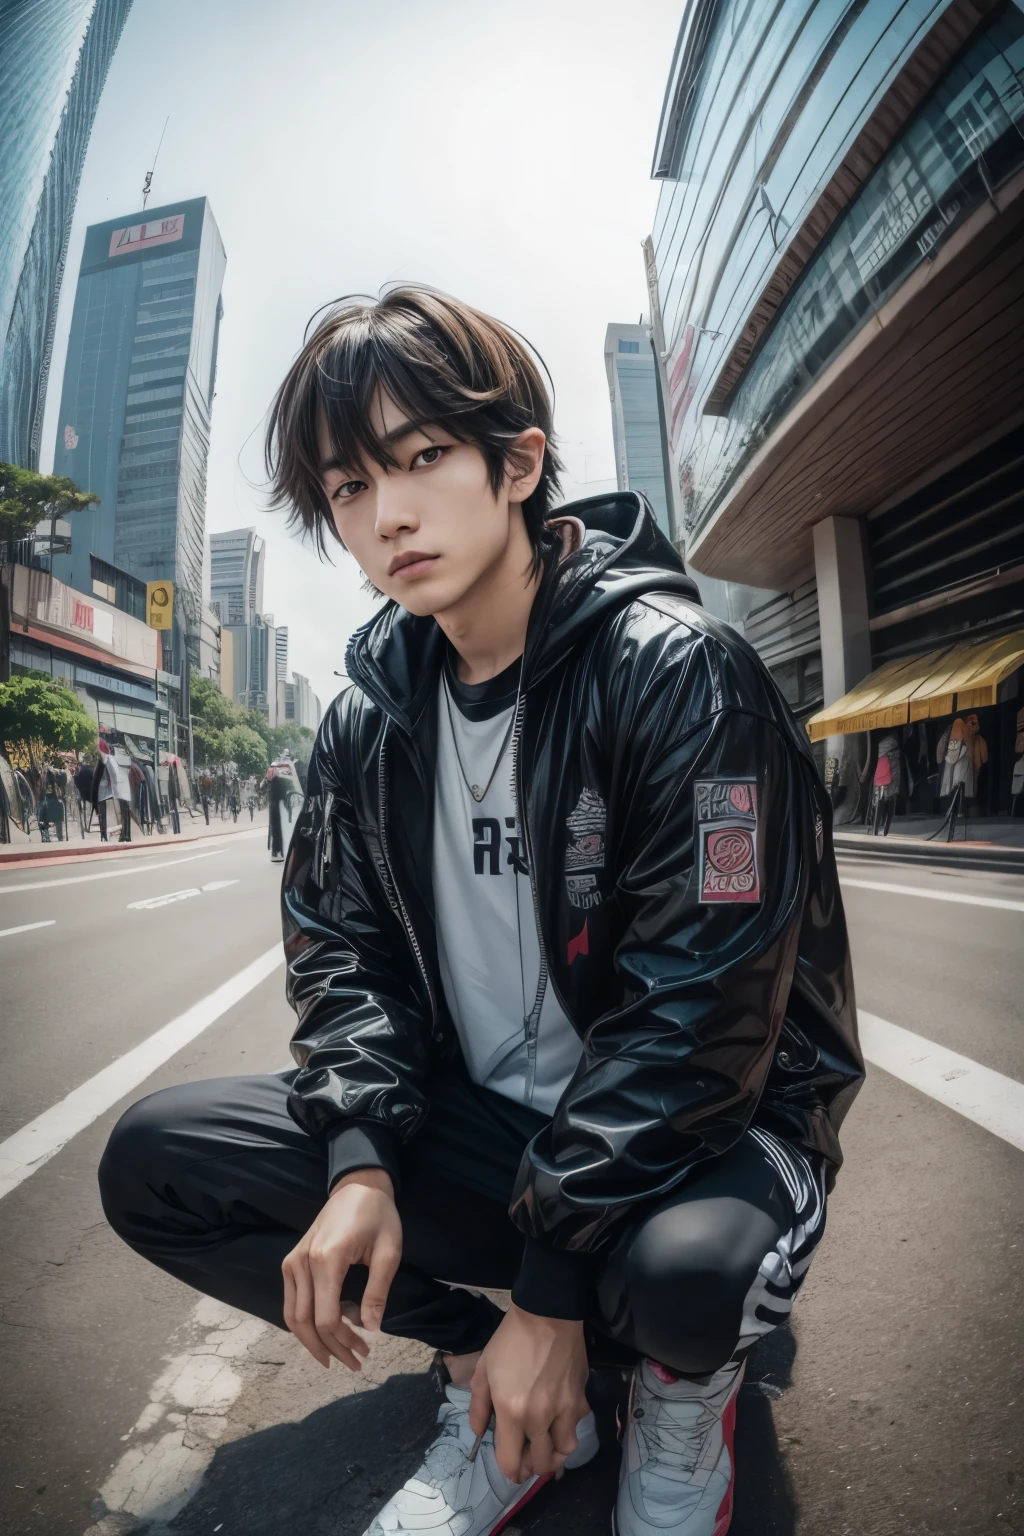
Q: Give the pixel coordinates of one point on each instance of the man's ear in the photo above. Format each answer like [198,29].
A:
[525,464]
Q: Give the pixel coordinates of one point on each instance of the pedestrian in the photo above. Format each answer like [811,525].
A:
[281,783]
[566,943]
[110,788]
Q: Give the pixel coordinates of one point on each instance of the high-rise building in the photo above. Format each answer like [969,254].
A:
[54,57]
[282,653]
[135,410]
[640,458]
[236,575]
[298,705]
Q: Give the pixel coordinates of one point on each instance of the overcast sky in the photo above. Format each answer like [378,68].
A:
[499,149]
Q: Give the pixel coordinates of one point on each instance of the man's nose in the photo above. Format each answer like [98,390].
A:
[395,512]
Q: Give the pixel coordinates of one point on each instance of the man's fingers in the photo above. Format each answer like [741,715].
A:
[509,1446]
[479,1405]
[301,1319]
[384,1262]
[346,1346]
[563,1432]
[541,1453]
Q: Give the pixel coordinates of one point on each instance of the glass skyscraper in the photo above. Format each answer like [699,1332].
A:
[54,57]
[640,458]
[135,410]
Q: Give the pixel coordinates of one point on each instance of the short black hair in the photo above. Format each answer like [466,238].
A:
[441,361]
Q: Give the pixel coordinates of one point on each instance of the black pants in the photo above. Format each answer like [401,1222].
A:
[276,830]
[214,1182]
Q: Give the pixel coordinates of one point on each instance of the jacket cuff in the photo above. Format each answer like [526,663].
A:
[553,1283]
[364,1144]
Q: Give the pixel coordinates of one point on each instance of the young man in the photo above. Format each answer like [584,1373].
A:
[566,945]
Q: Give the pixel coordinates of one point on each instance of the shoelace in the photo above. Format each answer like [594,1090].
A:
[673,1448]
[447,1454]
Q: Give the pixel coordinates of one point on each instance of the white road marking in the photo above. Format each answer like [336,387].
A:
[5,933]
[922,890]
[218,1355]
[27,1150]
[106,874]
[149,902]
[990,1099]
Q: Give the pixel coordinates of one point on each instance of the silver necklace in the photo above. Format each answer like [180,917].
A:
[474,789]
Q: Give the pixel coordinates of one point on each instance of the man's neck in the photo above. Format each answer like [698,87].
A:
[487,626]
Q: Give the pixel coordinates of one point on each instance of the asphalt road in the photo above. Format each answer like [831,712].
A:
[895,1403]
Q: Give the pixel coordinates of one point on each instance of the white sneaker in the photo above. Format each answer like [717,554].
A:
[677,1457]
[453,1496]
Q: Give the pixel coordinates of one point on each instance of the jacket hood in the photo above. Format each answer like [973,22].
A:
[395,657]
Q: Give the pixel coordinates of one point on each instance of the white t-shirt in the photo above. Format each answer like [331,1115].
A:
[514,1036]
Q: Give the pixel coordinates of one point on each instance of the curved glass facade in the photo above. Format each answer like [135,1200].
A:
[780,100]
[54,57]
[135,408]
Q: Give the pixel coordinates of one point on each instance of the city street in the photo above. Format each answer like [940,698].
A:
[894,1404]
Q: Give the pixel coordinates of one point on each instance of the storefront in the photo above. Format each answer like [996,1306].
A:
[950,720]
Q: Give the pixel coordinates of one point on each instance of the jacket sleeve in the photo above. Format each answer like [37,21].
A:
[362,1041]
[710,869]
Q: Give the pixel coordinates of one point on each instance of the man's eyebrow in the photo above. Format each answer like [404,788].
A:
[389,440]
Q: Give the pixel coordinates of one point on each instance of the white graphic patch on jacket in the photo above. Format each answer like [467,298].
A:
[585,855]
[727,860]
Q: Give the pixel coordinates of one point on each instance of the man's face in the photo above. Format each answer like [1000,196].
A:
[426,532]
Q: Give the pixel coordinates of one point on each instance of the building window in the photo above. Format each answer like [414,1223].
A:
[629,346]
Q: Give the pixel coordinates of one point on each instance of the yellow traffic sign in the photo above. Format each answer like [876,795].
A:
[159,604]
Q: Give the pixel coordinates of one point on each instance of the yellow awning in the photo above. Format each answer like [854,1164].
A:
[948,680]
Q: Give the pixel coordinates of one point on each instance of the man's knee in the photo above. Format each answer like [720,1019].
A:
[676,1266]
[135,1153]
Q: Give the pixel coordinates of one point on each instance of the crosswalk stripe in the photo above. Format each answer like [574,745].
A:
[967,900]
[29,1149]
[989,1098]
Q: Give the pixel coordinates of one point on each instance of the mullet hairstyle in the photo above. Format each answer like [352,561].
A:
[442,362]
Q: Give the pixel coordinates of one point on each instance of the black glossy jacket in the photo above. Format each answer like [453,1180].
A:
[697,1017]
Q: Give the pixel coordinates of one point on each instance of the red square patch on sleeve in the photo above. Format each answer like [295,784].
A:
[725,811]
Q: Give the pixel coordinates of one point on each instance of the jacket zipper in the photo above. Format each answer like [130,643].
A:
[382,807]
[531,1024]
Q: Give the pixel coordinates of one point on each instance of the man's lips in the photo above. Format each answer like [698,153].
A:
[412,563]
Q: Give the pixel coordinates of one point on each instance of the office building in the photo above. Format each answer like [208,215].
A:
[281,653]
[840,326]
[135,410]
[236,575]
[640,457]
[54,57]
[298,704]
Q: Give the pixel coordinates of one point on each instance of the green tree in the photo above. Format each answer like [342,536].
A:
[247,751]
[39,717]
[296,739]
[26,498]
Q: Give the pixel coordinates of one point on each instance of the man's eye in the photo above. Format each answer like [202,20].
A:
[348,489]
[429,455]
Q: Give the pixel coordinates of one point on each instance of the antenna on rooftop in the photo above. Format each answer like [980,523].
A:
[148,183]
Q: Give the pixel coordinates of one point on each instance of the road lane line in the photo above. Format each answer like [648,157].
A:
[990,1099]
[107,874]
[5,933]
[27,1150]
[149,902]
[1001,902]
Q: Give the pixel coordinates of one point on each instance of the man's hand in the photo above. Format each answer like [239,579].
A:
[358,1224]
[533,1374]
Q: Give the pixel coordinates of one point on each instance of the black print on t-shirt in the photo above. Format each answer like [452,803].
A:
[487,846]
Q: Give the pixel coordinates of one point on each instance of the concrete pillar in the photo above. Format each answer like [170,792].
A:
[845,648]
[842,605]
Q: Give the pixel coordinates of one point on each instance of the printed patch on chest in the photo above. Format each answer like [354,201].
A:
[726,814]
[585,854]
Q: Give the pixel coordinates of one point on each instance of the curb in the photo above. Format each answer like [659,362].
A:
[989,857]
[28,853]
